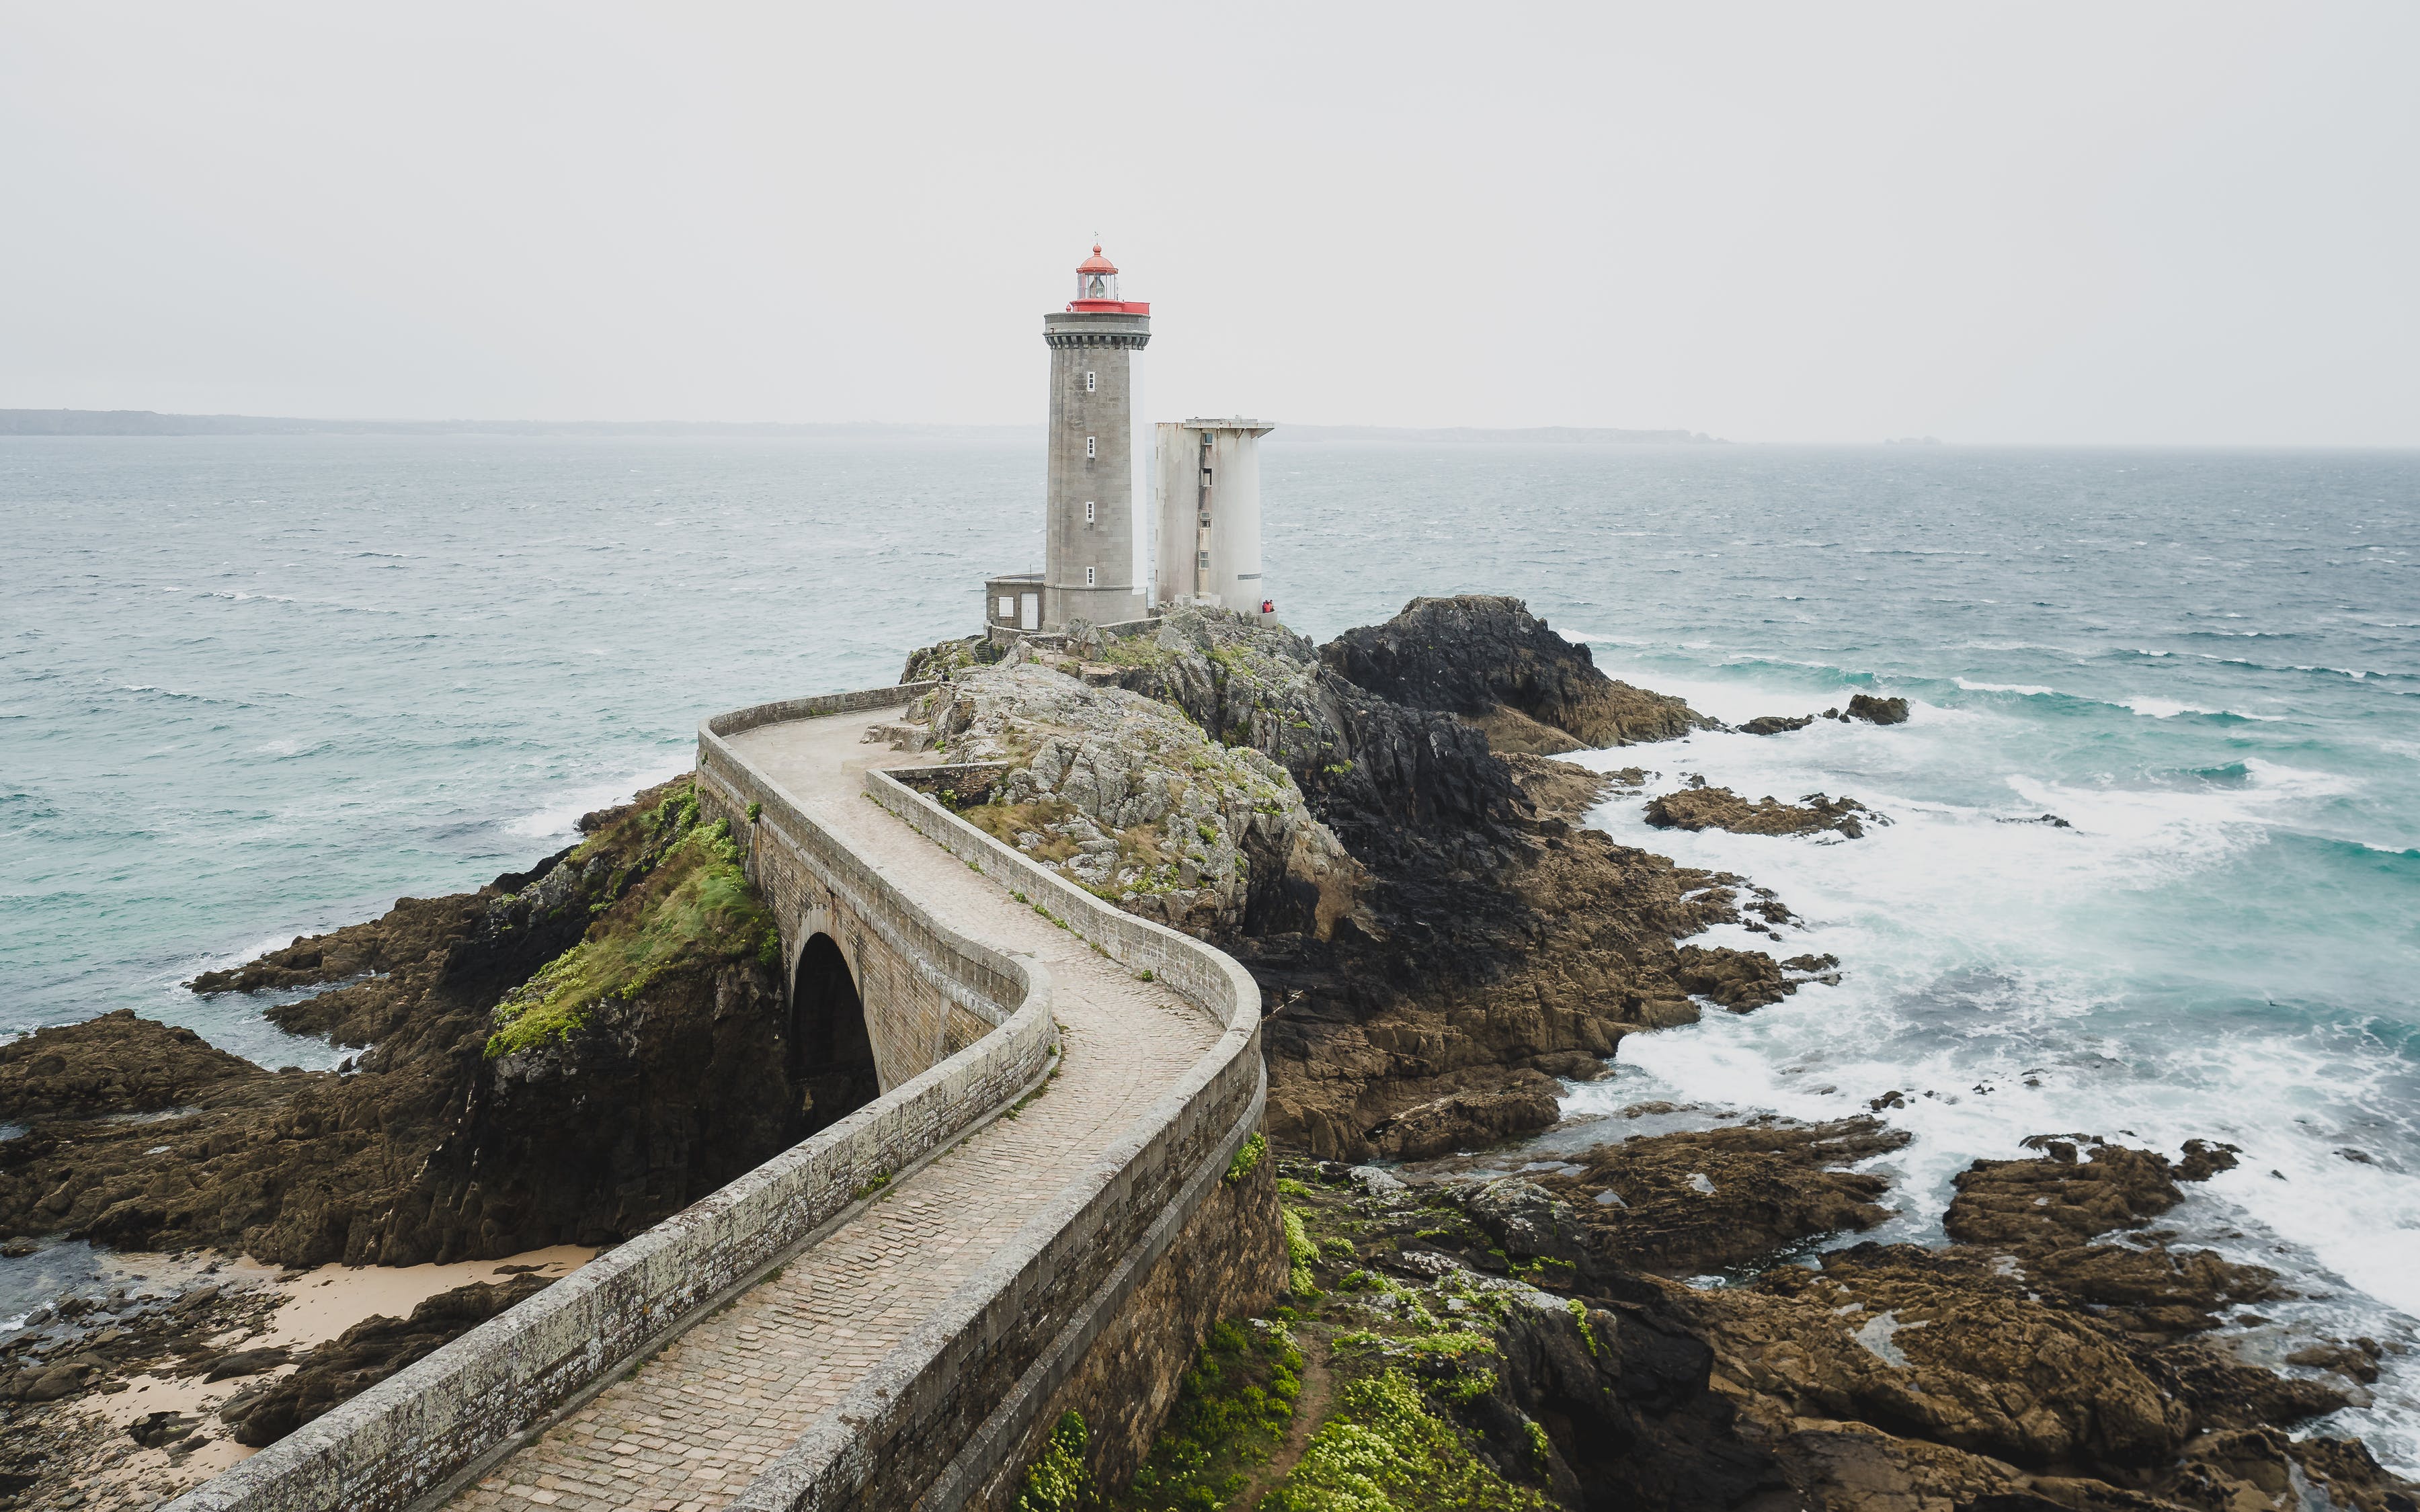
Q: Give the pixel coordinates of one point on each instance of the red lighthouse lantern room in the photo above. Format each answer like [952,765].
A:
[1096,288]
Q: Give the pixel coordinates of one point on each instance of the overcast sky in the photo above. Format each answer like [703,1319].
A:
[2192,223]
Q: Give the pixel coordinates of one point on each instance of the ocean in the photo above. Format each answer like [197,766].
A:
[257,686]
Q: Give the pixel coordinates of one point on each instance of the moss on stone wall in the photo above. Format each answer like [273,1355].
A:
[1055,1482]
[1247,1158]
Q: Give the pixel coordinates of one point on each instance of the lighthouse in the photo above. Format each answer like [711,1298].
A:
[1094,566]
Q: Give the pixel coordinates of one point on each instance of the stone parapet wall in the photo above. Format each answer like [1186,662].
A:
[782,712]
[946,1420]
[1098,1300]
[1227,1260]
[924,999]
[436,1422]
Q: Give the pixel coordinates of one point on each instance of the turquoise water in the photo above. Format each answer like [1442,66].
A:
[255,687]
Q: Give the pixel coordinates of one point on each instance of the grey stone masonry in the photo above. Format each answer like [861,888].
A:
[411,1433]
[877,1317]
[1089,549]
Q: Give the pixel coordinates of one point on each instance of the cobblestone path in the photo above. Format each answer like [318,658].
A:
[695,1424]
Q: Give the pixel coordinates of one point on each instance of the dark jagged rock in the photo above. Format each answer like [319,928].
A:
[2057,1199]
[1738,979]
[1526,1219]
[114,1063]
[1398,784]
[2051,820]
[1877,711]
[1703,808]
[1503,945]
[2043,1212]
[1477,653]
[1504,1102]
[365,1354]
[157,1430]
[1683,1204]
[433,1148]
[1776,724]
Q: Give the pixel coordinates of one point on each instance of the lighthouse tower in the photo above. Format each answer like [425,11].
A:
[1099,470]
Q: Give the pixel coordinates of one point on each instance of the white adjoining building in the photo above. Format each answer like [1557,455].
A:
[1209,498]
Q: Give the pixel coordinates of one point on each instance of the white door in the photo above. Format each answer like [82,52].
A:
[1029,611]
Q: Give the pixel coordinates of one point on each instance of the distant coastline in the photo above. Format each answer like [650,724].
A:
[151,423]
[1474,433]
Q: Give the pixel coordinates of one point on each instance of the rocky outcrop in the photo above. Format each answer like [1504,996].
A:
[1136,803]
[363,1355]
[1888,1377]
[1686,1204]
[592,1121]
[1776,724]
[1705,808]
[114,1063]
[2041,1213]
[1448,1031]
[1877,711]
[1490,660]
[1404,787]
[1496,944]
[1944,1350]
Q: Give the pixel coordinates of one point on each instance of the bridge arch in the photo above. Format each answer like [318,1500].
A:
[830,1052]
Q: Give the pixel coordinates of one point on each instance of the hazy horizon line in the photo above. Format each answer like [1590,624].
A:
[138,422]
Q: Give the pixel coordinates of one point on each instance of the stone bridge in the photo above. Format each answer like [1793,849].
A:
[1033,1214]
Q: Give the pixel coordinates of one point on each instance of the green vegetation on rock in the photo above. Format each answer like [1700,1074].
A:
[1231,1412]
[1390,1391]
[1248,1158]
[1300,1252]
[1055,1481]
[692,904]
[1383,1450]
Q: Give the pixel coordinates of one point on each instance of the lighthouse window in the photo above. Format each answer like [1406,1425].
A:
[1089,577]
[1090,508]
[1092,448]
[1091,381]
